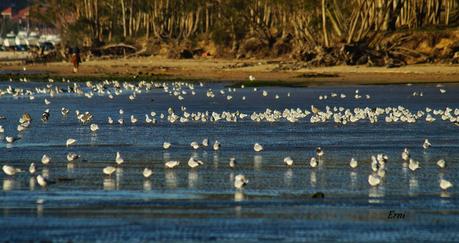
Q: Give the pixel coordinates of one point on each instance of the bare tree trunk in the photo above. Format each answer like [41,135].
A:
[324,24]
[123,10]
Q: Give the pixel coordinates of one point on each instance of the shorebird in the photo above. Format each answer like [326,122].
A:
[147,172]
[10,170]
[94,127]
[232,162]
[353,163]
[251,78]
[240,181]
[445,185]
[193,163]
[10,139]
[45,116]
[133,119]
[194,145]
[406,154]
[413,165]
[118,158]
[313,162]
[70,141]
[42,181]
[166,145]
[45,159]
[2,130]
[109,170]
[319,152]
[426,144]
[172,164]
[216,145]
[257,147]
[374,180]
[64,111]
[205,142]
[288,161]
[72,156]
[441,163]
[32,168]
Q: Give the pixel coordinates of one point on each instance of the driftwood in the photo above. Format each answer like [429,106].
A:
[119,49]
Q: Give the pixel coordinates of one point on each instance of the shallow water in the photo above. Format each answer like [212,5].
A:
[201,204]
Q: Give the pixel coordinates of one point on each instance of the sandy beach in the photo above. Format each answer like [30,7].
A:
[265,71]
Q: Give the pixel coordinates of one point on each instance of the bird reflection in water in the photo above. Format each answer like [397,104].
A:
[8,184]
[376,195]
[192,178]
[166,156]
[171,179]
[353,175]
[32,183]
[70,168]
[413,186]
[239,196]
[40,210]
[45,172]
[257,161]
[313,178]
[109,184]
[147,185]
[216,159]
[288,176]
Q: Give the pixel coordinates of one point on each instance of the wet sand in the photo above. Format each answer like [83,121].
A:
[210,69]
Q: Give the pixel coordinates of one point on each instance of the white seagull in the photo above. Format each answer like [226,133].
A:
[257,147]
[240,181]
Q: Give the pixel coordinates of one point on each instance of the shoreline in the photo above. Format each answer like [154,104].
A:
[234,71]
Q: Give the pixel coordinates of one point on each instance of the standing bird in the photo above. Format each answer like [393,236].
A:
[32,168]
[216,145]
[109,170]
[166,145]
[205,142]
[42,181]
[426,144]
[413,165]
[45,116]
[313,162]
[10,170]
[119,159]
[257,147]
[441,163]
[353,163]
[194,145]
[94,127]
[406,154]
[445,185]
[193,163]
[232,162]
[319,152]
[172,164]
[45,159]
[70,141]
[64,111]
[240,181]
[288,161]
[72,156]
[147,172]
[374,180]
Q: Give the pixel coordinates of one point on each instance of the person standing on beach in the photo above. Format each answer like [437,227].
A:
[75,59]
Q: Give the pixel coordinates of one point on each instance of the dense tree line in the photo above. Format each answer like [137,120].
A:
[305,23]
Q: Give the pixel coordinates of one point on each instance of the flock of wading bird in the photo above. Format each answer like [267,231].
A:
[180,90]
